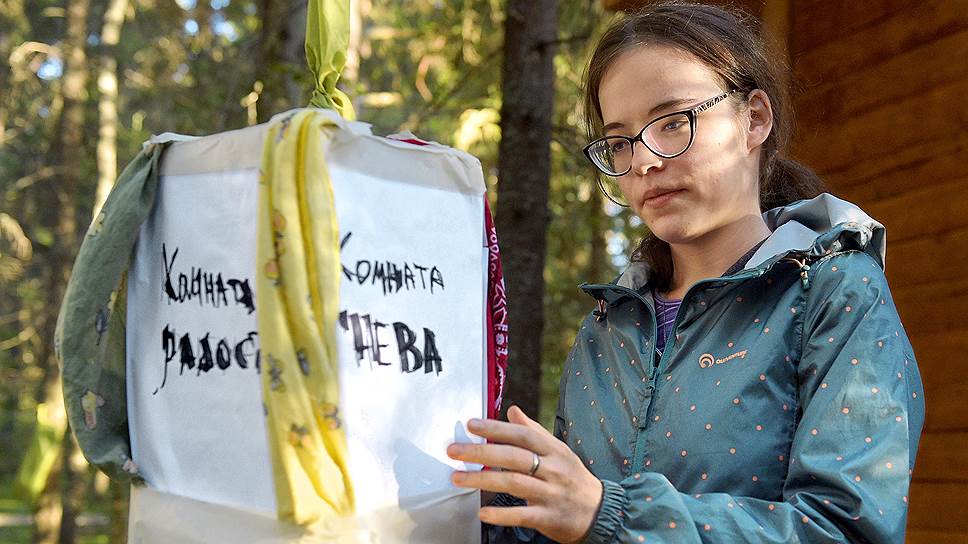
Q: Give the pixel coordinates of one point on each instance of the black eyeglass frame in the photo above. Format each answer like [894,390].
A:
[690,113]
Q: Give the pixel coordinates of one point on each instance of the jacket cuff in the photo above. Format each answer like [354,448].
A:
[610,514]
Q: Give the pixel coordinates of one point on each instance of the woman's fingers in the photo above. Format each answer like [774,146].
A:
[510,482]
[511,516]
[562,496]
[512,433]
[493,455]
[517,415]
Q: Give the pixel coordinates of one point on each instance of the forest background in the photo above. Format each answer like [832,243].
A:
[84,82]
[881,117]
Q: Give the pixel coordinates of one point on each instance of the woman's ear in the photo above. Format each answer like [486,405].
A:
[760,113]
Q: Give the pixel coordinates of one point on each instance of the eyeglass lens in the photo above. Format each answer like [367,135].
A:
[667,136]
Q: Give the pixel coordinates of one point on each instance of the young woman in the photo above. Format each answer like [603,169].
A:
[747,378]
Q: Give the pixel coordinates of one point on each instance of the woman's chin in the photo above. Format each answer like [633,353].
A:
[668,231]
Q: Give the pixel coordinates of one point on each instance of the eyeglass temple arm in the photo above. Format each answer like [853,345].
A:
[712,102]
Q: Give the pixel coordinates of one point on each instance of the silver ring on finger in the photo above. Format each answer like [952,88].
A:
[535,463]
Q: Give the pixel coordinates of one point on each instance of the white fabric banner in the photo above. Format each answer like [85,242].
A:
[410,336]
[194,396]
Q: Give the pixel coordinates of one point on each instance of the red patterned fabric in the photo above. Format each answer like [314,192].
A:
[497,320]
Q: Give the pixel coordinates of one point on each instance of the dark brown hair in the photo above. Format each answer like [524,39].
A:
[730,43]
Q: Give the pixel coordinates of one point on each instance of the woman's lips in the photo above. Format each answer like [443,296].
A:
[661,200]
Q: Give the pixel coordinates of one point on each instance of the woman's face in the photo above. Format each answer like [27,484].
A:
[716,178]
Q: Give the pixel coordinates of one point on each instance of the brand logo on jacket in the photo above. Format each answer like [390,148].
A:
[706,360]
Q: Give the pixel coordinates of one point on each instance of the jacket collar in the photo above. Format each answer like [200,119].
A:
[812,227]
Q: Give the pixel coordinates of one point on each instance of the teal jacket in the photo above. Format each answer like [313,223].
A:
[786,406]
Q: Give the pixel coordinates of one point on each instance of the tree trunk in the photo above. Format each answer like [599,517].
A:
[524,169]
[66,153]
[107,84]
[351,71]
[268,52]
[74,482]
[294,54]
[358,49]
[119,512]
[281,53]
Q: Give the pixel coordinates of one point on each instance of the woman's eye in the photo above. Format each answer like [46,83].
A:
[618,147]
[673,125]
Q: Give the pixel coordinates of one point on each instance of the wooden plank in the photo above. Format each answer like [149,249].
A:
[945,410]
[944,406]
[931,309]
[907,73]
[938,506]
[817,22]
[934,116]
[942,364]
[939,257]
[942,456]
[956,337]
[923,210]
[894,26]
[907,169]
[927,536]
[777,17]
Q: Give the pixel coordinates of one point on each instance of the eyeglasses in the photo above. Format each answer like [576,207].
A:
[667,136]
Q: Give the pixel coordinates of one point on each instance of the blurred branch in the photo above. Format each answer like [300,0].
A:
[21,337]
[14,316]
[40,175]
[19,242]
[421,81]
[18,59]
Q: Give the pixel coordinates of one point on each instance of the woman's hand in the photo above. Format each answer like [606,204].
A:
[563,496]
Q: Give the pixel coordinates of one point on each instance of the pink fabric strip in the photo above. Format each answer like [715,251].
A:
[497,320]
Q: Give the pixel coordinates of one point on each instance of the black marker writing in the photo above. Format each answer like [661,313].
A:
[205,287]
[204,354]
[391,276]
[367,343]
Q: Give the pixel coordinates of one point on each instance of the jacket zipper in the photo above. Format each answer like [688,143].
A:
[638,451]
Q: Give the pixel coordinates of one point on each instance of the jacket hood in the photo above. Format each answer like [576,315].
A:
[813,227]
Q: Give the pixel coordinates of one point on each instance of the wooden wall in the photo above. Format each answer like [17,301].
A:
[883,118]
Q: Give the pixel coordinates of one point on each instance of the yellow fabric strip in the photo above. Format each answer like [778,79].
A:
[298,299]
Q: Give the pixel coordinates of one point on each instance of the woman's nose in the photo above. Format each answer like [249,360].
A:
[644,159]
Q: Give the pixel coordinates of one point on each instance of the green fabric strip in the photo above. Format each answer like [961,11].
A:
[90,336]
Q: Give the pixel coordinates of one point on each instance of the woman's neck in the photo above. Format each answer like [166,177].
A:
[713,253]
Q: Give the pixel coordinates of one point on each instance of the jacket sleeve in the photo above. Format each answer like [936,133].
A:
[853,449]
